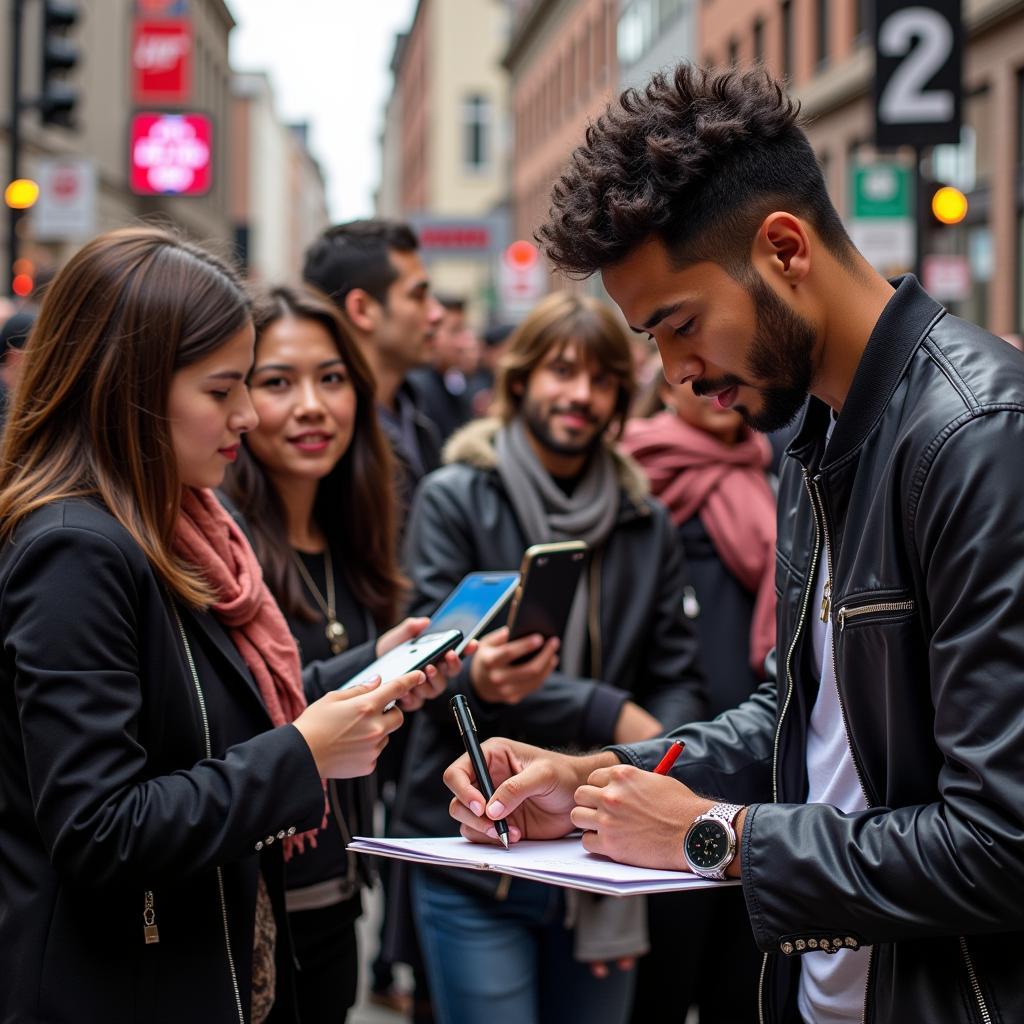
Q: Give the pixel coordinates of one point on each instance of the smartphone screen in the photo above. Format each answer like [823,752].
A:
[469,608]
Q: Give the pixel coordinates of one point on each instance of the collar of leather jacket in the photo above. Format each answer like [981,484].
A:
[907,318]
[473,445]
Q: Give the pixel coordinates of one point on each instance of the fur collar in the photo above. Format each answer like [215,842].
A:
[473,445]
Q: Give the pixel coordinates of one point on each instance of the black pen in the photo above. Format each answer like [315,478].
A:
[464,720]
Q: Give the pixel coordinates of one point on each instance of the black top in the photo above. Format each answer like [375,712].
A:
[312,639]
[329,859]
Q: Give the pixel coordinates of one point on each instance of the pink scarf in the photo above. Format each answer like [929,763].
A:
[695,473]
[209,539]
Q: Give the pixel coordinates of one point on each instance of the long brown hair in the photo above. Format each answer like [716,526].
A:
[355,502]
[89,418]
[561,319]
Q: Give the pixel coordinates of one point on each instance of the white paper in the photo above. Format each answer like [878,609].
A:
[561,862]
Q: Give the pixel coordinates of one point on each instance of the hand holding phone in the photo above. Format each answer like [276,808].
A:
[408,657]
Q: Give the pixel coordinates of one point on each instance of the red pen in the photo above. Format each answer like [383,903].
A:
[670,758]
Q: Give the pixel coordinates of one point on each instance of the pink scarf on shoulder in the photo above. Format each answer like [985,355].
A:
[209,539]
[694,473]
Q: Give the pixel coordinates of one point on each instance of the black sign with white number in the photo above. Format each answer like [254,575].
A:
[918,71]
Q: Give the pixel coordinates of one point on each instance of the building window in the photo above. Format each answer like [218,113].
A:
[476,125]
[786,16]
[758,35]
[821,32]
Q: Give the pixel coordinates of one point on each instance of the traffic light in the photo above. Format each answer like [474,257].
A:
[948,205]
[59,56]
[21,194]
[521,254]
[24,278]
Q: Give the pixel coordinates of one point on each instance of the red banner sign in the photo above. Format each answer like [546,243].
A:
[171,154]
[162,61]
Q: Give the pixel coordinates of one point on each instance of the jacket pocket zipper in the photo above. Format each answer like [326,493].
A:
[220,875]
[972,976]
[879,608]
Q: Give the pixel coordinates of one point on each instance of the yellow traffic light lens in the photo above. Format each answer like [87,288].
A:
[21,193]
[949,205]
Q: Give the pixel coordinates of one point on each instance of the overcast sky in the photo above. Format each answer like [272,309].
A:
[328,63]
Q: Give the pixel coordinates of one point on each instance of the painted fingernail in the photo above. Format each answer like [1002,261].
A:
[493,833]
[496,809]
[477,808]
[514,834]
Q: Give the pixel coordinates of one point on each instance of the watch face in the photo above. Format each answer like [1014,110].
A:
[707,844]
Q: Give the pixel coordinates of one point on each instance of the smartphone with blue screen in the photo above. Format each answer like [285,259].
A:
[473,604]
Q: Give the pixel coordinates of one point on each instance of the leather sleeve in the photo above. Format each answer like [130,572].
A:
[729,757]
[953,866]
[69,621]
[671,685]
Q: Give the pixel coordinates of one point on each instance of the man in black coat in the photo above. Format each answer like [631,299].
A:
[546,468]
[869,796]
[373,272]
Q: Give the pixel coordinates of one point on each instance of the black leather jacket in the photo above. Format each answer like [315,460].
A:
[916,514]
[463,521]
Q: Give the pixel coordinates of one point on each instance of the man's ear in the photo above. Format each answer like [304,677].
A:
[782,248]
[362,309]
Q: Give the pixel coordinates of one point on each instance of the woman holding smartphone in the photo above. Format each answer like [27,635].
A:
[314,486]
[158,760]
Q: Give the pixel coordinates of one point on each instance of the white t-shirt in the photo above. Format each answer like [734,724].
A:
[832,985]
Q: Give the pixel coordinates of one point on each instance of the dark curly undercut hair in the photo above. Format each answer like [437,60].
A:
[698,159]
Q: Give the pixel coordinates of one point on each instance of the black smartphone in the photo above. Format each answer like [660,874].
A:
[414,654]
[548,577]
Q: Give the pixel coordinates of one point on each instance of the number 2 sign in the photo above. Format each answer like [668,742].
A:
[918,68]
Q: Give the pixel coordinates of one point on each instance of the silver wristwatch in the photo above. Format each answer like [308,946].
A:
[710,842]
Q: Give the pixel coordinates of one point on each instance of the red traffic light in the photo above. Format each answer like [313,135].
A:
[521,254]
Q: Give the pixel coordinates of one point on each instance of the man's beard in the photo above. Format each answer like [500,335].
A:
[782,353]
[537,424]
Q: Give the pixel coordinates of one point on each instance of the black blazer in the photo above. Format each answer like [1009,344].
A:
[107,791]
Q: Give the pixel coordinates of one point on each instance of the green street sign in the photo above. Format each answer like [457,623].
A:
[882,190]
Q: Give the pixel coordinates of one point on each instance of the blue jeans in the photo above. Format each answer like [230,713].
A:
[509,961]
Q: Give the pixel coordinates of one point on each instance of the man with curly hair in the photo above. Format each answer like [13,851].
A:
[868,795]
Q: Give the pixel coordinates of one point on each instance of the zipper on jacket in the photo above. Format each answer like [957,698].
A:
[846,721]
[220,874]
[986,1017]
[808,586]
[872,609]
[150,932]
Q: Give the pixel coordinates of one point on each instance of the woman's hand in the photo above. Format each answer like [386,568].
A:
[534,790]
[346,730]
[436,677]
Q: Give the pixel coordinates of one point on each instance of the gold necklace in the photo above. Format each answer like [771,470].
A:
[335,632]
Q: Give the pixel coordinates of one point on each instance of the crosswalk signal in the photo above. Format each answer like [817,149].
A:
[57,99]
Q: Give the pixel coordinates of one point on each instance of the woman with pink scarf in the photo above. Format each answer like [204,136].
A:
[158,759]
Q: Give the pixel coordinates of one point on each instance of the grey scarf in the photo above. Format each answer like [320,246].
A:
[546,513]
[604,929]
